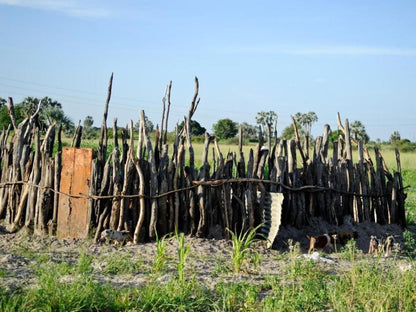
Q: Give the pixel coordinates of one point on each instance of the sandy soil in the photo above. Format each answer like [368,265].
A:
[208,259]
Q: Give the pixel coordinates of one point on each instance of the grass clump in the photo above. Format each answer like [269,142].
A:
[183,251]
[122,265]
[241,296]
[171,296]
[242,249]
[161,256]
[368,286]
[84,265]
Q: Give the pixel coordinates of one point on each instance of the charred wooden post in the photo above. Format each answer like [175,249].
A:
[382,216]
[44,205]
[34,181]
[222,192]
[165,115]
[264,152]
[298,143]
[292,207]
[10,109]
[163,185]
[21,146]
[57,182]
[118,176]
[153,178]
[257,154]
[401,196]
[129,176]
[76,139]
[203,175]
[99,162]
[104,204]
[241,187]
[349,188]
[102,145]
[142,204]
[249,195]
[364,183]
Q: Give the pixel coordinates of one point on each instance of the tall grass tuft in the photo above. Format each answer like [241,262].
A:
[161,257]
[183,251]
[242,247]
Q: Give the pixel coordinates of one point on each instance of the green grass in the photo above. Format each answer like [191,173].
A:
[242,249]
[122,265]
[360,284]
[161,256]
[183,252]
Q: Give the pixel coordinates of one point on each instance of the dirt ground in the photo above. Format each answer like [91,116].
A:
[208,258]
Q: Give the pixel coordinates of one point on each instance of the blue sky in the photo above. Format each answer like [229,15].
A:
[357,58]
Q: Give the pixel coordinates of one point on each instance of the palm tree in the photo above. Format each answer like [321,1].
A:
[306,121]
[358,132]
[266,119]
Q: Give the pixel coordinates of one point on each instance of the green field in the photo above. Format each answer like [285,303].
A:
[177,277]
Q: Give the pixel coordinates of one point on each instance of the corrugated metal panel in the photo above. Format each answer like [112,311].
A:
[272,217]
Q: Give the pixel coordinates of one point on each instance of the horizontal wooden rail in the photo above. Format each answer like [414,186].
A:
[195,184]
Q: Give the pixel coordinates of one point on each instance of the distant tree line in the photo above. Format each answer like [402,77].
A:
[52,111]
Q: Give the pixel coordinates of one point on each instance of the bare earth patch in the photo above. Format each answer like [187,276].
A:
[132,265]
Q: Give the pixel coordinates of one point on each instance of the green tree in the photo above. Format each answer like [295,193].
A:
[3,102]
[267,119]
[395,136]
[333,137]
[288,133]
[88,122]
[196,128]
[225,129]
[5,118]
[147,123]
[405,145]
[50,112]
[88,132]
[306,121]
[358,132]
[249,131]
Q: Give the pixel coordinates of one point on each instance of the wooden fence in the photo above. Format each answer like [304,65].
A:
[150,190]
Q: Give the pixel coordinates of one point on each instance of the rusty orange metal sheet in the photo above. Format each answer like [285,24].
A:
[75,180]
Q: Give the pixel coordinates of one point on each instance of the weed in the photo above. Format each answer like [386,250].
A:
[237,297]
[172,296]
[3,273]
[221,266]
[409,243]
[349,251]
[122,265]
[84,265]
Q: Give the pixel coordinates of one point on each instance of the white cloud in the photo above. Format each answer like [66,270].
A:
[74,8]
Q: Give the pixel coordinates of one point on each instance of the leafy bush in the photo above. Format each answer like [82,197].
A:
[405,145]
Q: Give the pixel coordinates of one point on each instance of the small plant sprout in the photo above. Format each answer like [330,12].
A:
[161,257]
[183,250]
[242,247]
